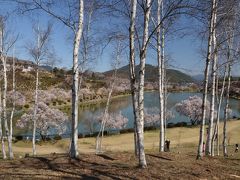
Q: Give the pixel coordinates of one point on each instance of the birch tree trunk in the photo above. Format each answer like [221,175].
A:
[4,107]
[212,105]
[160,76]
[13,103]
[35,110]
[1,105]
[216,128]
[1,131]
[106,112]
[206,74]
[226,110]
[74,134]
[132,72]
[143,51]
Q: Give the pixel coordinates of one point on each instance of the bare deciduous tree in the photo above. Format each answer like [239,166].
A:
[71,14]
[38,50]
[106,111]
[6,43]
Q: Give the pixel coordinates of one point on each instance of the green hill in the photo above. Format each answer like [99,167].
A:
[151,74]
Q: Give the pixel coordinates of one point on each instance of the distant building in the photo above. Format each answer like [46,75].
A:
[22,65]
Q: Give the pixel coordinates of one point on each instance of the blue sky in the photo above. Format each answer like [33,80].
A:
[184,52]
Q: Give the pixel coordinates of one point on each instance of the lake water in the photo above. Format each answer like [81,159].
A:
[124,104]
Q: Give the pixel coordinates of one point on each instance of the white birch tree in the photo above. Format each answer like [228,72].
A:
[160,56]
[213,85]
[206,78]
[219,105]
[38,50]
[132,70]
[106,116]
[5,45]
[142,56]
[77,38]
[71,14]
[14,98]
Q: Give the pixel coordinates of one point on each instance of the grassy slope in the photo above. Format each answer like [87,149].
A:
[180,163]
[181,137]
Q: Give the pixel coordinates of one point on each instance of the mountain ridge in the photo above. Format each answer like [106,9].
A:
[151,74]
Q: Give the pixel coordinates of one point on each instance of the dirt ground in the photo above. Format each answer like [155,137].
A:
[168,165]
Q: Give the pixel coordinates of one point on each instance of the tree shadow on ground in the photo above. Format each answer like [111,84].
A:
[160,157]
[66,167]
[105,157]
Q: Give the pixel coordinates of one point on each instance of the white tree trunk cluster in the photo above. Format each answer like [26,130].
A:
[161,79]
[206,75]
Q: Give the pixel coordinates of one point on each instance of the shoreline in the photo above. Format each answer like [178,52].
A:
[103,100]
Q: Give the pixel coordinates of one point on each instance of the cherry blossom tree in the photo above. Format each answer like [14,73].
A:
[152,115]
[191,108]
[48,120]
[114,120]
[18,97]
[50,95]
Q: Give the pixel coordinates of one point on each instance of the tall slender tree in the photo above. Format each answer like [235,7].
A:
[160,57]
[5,45]
[216,128]
[38,50]
[213,85]
[14,98]
[74,21]
[78,35]
[106,111]
[132,70]
[206,76]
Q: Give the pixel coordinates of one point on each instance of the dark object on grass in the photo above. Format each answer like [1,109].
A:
[236,148]
[167,146]
[27,155]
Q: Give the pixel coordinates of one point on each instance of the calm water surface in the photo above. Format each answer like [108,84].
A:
[124,104]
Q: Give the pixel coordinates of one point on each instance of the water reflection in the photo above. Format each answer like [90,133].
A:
[87,113]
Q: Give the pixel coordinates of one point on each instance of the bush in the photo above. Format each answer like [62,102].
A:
[54,103]
[19,138]
[181,124]
[170,125]
[126,131]
[57,137]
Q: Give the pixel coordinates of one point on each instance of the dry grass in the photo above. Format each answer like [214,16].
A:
[181,137]
[121,163]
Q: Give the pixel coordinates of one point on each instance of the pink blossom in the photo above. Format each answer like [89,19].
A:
[20,99]
[114,120]
[47,118]
[192,108]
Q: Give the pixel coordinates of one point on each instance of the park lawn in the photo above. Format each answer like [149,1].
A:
[181,138]
[118,160]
